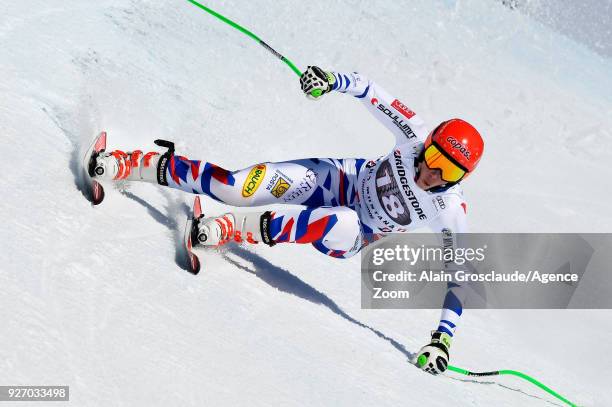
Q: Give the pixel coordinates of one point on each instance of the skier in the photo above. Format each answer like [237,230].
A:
[339,205]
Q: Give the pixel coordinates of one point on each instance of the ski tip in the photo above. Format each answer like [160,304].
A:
[194,264]
[101,142]
[93,190]
[97,193]
[197,207]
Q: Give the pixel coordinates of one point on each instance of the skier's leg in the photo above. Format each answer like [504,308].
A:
[335,231]
[132,166]
[309,182]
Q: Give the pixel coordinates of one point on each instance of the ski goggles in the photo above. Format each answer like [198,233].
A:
[437,159]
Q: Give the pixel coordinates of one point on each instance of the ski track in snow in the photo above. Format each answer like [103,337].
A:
[99,299]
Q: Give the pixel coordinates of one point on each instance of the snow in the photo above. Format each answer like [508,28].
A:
[98,298]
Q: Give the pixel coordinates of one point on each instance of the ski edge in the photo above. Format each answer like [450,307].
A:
[194,261]
[95,189]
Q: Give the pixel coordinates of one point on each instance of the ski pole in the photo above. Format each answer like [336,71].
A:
[315,93]
[513,373]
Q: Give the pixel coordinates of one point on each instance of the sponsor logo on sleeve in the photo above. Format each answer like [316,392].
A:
[398,121]
[403,109]
[253,180]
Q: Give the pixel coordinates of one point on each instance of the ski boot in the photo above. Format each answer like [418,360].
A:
[117,165]
[216,231]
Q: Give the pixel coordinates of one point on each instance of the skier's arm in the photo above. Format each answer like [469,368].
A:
[433,358]
[451,222]
[406,125]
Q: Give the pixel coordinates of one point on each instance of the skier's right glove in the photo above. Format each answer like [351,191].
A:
[433,358]
[316,82]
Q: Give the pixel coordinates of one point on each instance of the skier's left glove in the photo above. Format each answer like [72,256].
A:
[316,82]
[433,358]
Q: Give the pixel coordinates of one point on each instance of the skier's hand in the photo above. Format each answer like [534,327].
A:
[316,82]
[433,358]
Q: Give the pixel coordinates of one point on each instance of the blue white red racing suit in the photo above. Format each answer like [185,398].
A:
[339,204]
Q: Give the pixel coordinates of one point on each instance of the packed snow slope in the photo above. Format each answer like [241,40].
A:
[586,21]
[98,298]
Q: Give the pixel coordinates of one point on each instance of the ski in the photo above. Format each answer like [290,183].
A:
[94,189]
[190,226]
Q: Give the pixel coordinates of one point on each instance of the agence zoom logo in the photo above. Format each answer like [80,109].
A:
[253,180]
[456,144]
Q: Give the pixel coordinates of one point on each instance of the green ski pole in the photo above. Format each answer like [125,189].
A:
[315,93]
[513,373]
